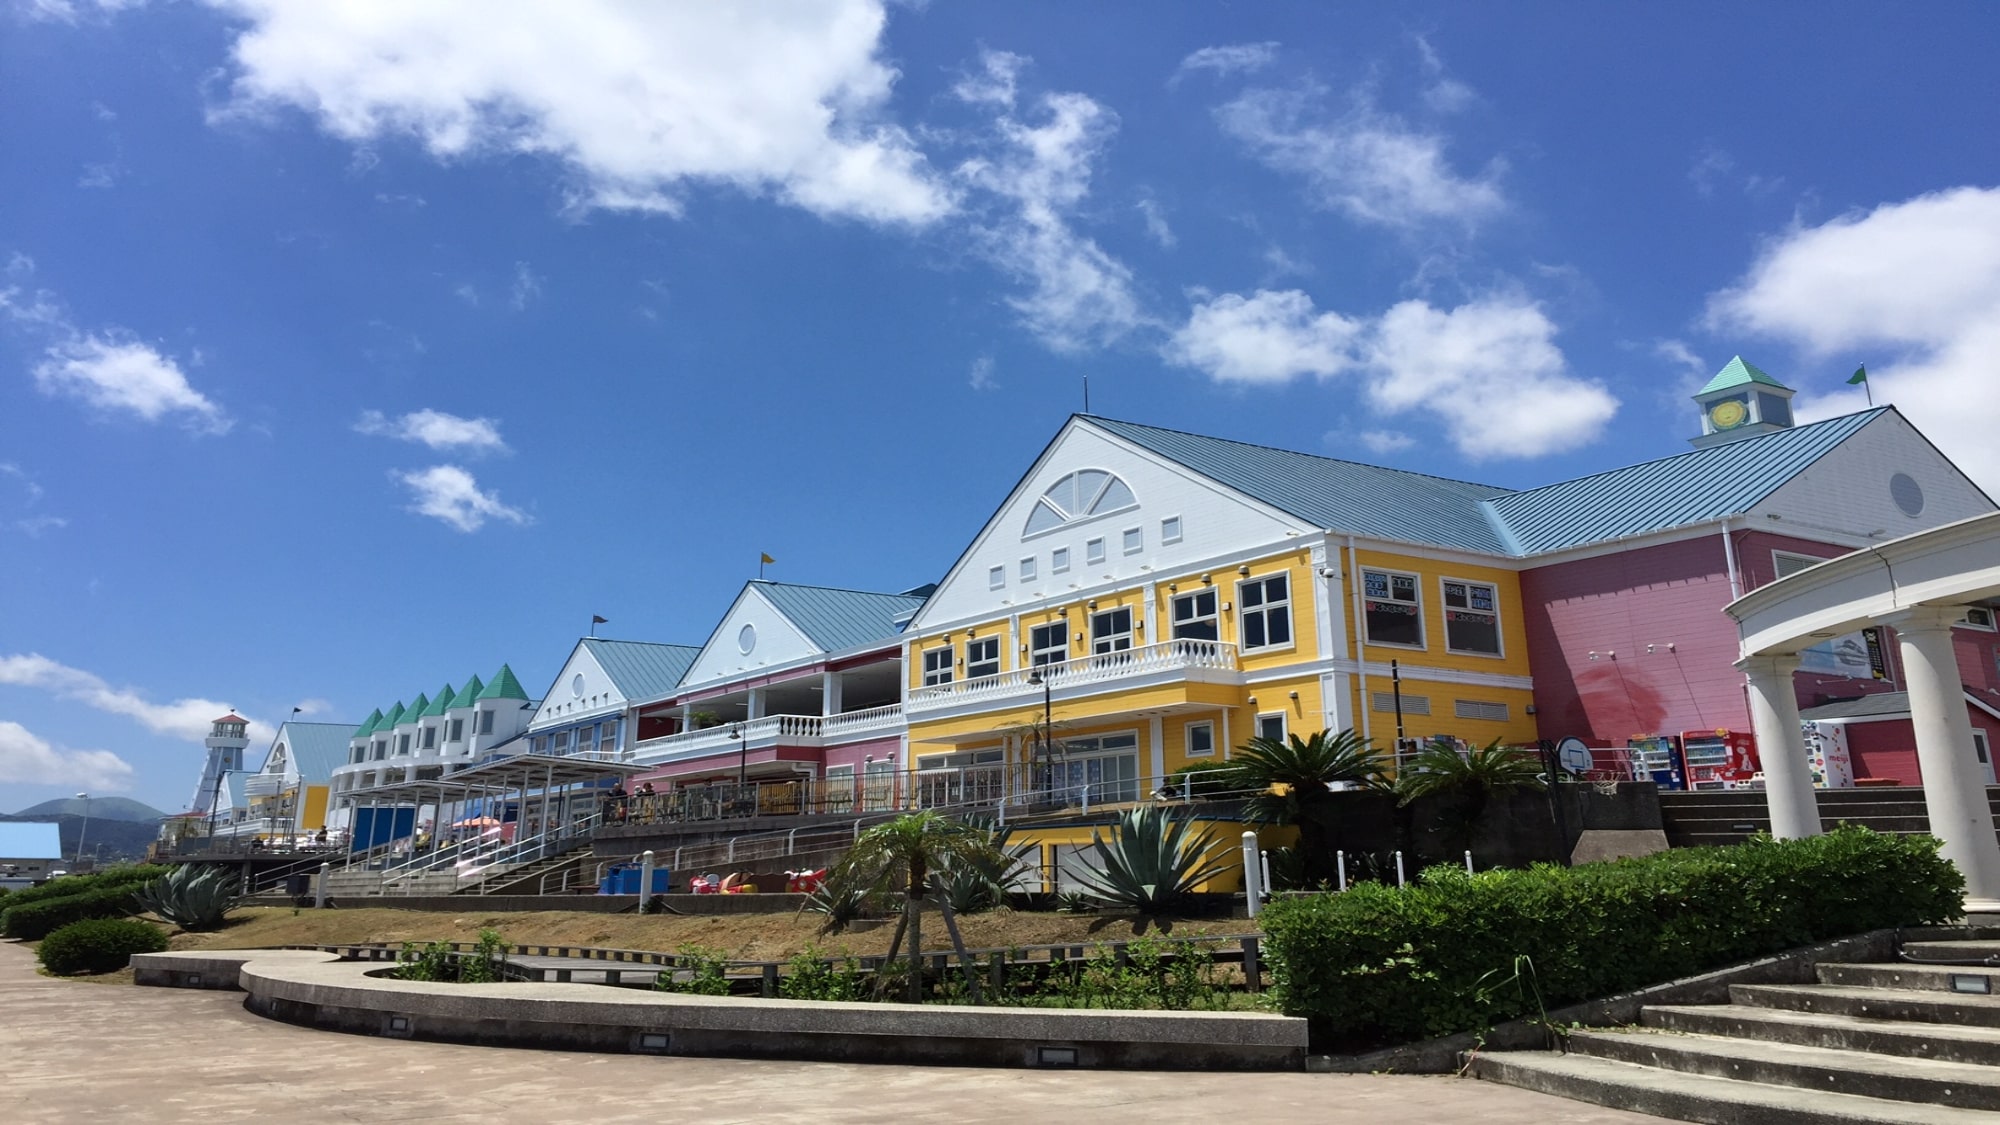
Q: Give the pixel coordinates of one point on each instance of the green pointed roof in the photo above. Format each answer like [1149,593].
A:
[368,726]
[470,694]
[390,720]
[417,706]
[1737,373]
[439,704]
[503,685]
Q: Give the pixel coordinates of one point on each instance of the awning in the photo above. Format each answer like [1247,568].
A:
[511,773]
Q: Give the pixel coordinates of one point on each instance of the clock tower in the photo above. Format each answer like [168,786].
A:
[1741,401]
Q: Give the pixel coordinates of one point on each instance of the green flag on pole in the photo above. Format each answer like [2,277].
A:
[1861,376]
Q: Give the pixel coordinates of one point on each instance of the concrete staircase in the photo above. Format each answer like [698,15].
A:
[1728,816]
[1892,1043]
[528,878]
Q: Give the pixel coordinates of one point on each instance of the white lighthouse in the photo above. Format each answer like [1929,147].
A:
[226,739]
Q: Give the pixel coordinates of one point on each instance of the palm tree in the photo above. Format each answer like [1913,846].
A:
[1467,783]
[903,854]
[1294,783]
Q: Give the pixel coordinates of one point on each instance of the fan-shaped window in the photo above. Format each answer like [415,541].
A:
[1080,495]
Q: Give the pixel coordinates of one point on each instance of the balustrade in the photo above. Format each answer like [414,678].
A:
[1101,668]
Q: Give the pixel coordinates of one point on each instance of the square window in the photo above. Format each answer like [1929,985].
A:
[982,657]
[1059,561]
[1200,740]
[1194,616]
[1391,611]
[1111,631]
[1170,529]
[1265,620]
[1471,617]
[1028,569]
[1093,550]
[1977,617]
[1271,726]
[1135,540]
[1049,644]
[996,577]
[937,666]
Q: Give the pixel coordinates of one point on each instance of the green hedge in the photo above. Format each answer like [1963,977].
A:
[77,884]
[37,919]
[1377,964]
[99,945]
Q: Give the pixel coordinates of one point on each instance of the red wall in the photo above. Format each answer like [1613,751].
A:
[1888,748]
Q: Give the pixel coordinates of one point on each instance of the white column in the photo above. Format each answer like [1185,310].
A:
[1954,781]
[754,705]
[1774,715]
[829,693]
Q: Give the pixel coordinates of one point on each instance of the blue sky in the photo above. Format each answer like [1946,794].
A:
[347,350]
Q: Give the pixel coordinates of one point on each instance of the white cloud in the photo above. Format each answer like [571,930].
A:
[33,526]
[9,469]
[450,494]
[1368,165]
[435,429]
[639,102]
[100,175]
[993,83]
[125,375]
[982,374]
[467,293]
[1156,223]
[187,719]
[527,286]
[1442,92]
[29,760]
[70,11]
[1385,441]
[1488,371]
[1078,295]
[1269,337]
[1913,290]
[1683,357]
[1236,58]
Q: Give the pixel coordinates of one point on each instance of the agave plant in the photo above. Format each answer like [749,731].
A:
[1153,862]
[844,897]
[192,896]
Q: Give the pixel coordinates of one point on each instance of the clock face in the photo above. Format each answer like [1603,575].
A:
[1728,414]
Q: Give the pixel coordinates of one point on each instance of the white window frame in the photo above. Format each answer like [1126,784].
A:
[1059,560]
[1283,720]
[1170,530]
[1127,636]
[996,577]
[486,722]
[1780,560]
[1035,653]
[1416,587]
[455,731]
[1213,617]
[1133,540]
[990,643]
[402,745]
[1445,607]
[429,740]
[1093,550]
[1187,739]
[1969,620]
[1263,610]
[1028,569]
[937,665]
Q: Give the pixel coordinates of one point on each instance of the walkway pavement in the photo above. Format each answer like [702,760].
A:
[72,1051]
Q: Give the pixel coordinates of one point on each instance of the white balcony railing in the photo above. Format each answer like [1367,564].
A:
[771,730]
[1184,654]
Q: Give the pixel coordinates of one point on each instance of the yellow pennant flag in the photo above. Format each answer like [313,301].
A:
[764,558]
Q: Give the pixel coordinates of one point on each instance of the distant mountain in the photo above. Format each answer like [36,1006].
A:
[99,808]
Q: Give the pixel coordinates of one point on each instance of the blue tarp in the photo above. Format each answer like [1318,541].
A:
[375,827]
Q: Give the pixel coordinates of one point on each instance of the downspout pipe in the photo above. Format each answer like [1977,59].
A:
[1360,635]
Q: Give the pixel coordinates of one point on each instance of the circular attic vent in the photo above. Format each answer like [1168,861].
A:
[1907,493]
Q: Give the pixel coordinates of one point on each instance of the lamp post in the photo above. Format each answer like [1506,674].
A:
[742,758]
[84,828]
[1042,751]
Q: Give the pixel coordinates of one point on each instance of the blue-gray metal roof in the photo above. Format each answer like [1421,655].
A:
[642,669]
[27,839]
[1694,487]
[836,620]
[315,748]
[1334,495]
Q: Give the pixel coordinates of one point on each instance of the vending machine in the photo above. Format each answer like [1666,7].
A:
[1655,758]
[1719,759]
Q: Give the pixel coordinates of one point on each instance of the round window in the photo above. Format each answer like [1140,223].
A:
[746,639]
[1907,493]
[576,685]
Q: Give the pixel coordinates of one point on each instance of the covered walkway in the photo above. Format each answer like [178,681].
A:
[1919,585]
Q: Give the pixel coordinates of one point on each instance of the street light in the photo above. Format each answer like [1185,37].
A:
[84,829]
[1043,752]
[742,758]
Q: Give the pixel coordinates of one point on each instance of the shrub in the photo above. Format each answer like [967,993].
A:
[99,945]
[813,977]
[707,971]
[1201,781]
[1381,964]
[192,896]
[37,920]
[1153,863]
[76,884]
[485,964]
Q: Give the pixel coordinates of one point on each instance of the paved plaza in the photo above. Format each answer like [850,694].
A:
[72,1051]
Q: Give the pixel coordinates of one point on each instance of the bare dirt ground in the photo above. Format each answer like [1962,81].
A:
[745,937]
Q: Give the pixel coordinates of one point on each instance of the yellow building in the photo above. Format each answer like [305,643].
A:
[1146,600]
